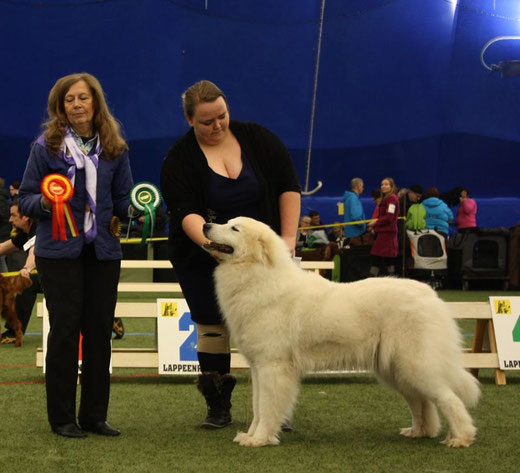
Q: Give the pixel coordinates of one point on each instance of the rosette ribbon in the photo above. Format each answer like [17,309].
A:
[59,190]
[146,198]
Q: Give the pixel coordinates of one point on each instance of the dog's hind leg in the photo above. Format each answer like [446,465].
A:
[462,431]
[277,391]
[425,418]
[252,428]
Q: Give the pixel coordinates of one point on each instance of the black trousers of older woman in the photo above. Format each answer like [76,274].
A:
[81,295]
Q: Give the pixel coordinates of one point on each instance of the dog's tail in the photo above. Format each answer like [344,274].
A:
[468,388]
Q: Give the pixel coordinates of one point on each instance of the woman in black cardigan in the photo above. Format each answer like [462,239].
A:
[219,170]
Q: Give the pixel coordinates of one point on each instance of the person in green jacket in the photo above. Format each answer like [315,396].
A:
[416,217]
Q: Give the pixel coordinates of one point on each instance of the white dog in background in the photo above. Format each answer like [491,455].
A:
[288,322]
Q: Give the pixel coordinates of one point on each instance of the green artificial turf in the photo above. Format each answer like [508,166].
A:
[344,423]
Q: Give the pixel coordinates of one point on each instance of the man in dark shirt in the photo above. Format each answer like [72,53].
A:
[23,240]
[5,227]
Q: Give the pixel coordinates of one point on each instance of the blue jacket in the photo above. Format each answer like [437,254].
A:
[114,181]
[438,214]
[353,211]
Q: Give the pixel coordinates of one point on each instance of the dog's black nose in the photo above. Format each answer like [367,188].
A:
[206,227]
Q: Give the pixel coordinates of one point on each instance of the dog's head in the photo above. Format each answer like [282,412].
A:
[244,239]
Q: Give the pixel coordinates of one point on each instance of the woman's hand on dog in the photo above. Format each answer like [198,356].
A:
[25,273]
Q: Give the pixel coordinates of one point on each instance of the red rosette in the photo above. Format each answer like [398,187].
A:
[59,190]
[55,186]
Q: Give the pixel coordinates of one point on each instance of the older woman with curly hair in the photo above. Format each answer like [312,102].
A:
[80,272]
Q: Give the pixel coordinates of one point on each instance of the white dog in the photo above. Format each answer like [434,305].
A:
[287,322]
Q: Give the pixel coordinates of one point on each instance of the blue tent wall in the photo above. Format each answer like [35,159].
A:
[401,90]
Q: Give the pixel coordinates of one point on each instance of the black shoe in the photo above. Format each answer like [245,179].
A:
[101,428]
[68,430]
[217,420]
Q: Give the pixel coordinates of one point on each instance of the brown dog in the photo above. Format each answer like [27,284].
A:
[9,288]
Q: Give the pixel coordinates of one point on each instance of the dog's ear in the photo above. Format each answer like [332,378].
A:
[268,251]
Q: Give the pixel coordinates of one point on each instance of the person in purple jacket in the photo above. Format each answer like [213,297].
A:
[467,214]
[79,275]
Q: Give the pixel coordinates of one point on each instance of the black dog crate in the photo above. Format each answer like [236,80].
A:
[484,256]
[355,263]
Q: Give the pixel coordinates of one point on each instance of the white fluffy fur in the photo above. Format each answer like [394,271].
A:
[287,322]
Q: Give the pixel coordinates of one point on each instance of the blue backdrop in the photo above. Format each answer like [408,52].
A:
[400,87]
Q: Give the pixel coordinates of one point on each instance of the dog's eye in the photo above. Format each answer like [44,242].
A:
[235,229]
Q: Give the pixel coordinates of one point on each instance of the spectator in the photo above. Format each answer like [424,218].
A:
[315,218]
[301,238]
[467,213]
[5,226]
[23,240]
[438,214]
[385,249]
[376,197]
[416,217]
[408,197]
[310,238]
[13,189]
[353,209]
[337,235]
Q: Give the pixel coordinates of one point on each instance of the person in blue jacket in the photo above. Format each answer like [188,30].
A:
[438,214]
[353,209]
[79,275]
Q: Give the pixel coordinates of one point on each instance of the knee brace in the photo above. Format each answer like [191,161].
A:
[213,339]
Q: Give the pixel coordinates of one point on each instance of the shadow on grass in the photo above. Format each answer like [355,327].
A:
[151,378]
[350,378]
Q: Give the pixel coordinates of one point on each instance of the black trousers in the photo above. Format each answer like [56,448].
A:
[196,280]
[81,295]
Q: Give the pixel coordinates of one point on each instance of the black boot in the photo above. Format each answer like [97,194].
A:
[217,390]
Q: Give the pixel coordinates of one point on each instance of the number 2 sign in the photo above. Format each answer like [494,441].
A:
[176,338]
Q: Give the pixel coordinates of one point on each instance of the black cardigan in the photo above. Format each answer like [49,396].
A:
[185,174]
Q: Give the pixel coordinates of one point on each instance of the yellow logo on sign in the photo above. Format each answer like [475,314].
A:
[169,309]
[503,306]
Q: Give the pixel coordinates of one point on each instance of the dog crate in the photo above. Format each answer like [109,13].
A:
[482,255]
[355,263]
[429,258]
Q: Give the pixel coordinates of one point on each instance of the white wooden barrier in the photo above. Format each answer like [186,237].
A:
[148,357]
[474,359]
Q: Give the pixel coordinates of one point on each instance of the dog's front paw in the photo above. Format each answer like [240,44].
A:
[239,437]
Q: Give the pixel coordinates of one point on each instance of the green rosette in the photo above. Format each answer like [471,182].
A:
[146,198]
